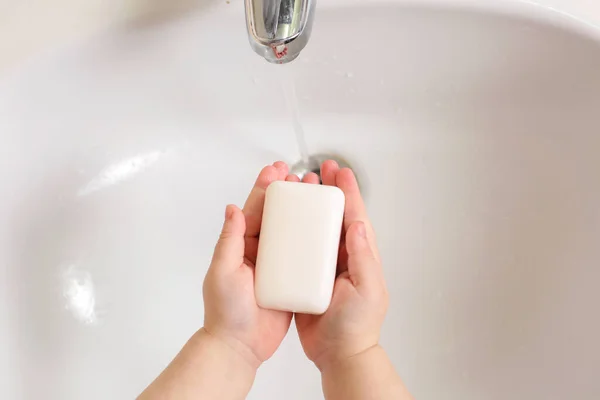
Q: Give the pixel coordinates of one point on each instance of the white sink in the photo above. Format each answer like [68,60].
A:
[476,135]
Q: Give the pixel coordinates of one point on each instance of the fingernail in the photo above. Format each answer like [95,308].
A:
[228,212]
[362,232]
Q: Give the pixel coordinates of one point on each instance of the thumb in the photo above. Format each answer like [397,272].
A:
[229,251]
[363,265]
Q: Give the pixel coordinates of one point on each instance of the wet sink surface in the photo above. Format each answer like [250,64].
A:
[475,135]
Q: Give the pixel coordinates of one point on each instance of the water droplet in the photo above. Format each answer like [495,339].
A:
[79,293]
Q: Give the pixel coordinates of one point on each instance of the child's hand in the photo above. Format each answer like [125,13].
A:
[230,310]
[210,365]
[353,321]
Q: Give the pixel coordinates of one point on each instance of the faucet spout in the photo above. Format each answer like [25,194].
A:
[278,30]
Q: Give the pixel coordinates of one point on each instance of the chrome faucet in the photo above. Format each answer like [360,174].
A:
[279,29]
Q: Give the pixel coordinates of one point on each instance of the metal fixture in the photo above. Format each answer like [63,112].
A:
[278,30]
[302,167]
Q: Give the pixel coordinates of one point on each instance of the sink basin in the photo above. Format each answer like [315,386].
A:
[475,132]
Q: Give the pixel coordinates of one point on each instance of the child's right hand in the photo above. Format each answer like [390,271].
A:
[352,323]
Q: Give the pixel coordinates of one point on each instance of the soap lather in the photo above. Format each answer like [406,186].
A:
[298,247]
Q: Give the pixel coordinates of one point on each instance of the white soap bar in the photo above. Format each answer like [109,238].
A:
[298,247]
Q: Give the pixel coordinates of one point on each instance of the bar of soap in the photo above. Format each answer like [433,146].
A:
[298,247]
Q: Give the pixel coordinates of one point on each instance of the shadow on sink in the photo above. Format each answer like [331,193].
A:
[148,13]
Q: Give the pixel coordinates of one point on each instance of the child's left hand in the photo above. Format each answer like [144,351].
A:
[230,310]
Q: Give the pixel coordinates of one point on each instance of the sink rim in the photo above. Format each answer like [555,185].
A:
[24,45]
[580,16]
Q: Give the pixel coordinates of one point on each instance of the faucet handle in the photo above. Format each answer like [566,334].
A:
[279,29]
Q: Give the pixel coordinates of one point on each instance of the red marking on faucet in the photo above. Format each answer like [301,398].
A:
[280,51]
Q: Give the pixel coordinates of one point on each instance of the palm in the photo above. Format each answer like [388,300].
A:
[229,301]
[318,333]
[273,328]
[272,325]
[322,333]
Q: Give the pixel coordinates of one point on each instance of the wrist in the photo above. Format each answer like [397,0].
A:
[230,348]
[366,375]
[206,368]
[340,357]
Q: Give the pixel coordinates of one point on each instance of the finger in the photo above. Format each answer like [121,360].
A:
[329,170]
[229,251]
[253,208]
[363,264]
[282,168]
[251,250]
[292,178]
[342,263]
[311,177]
[354,209]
